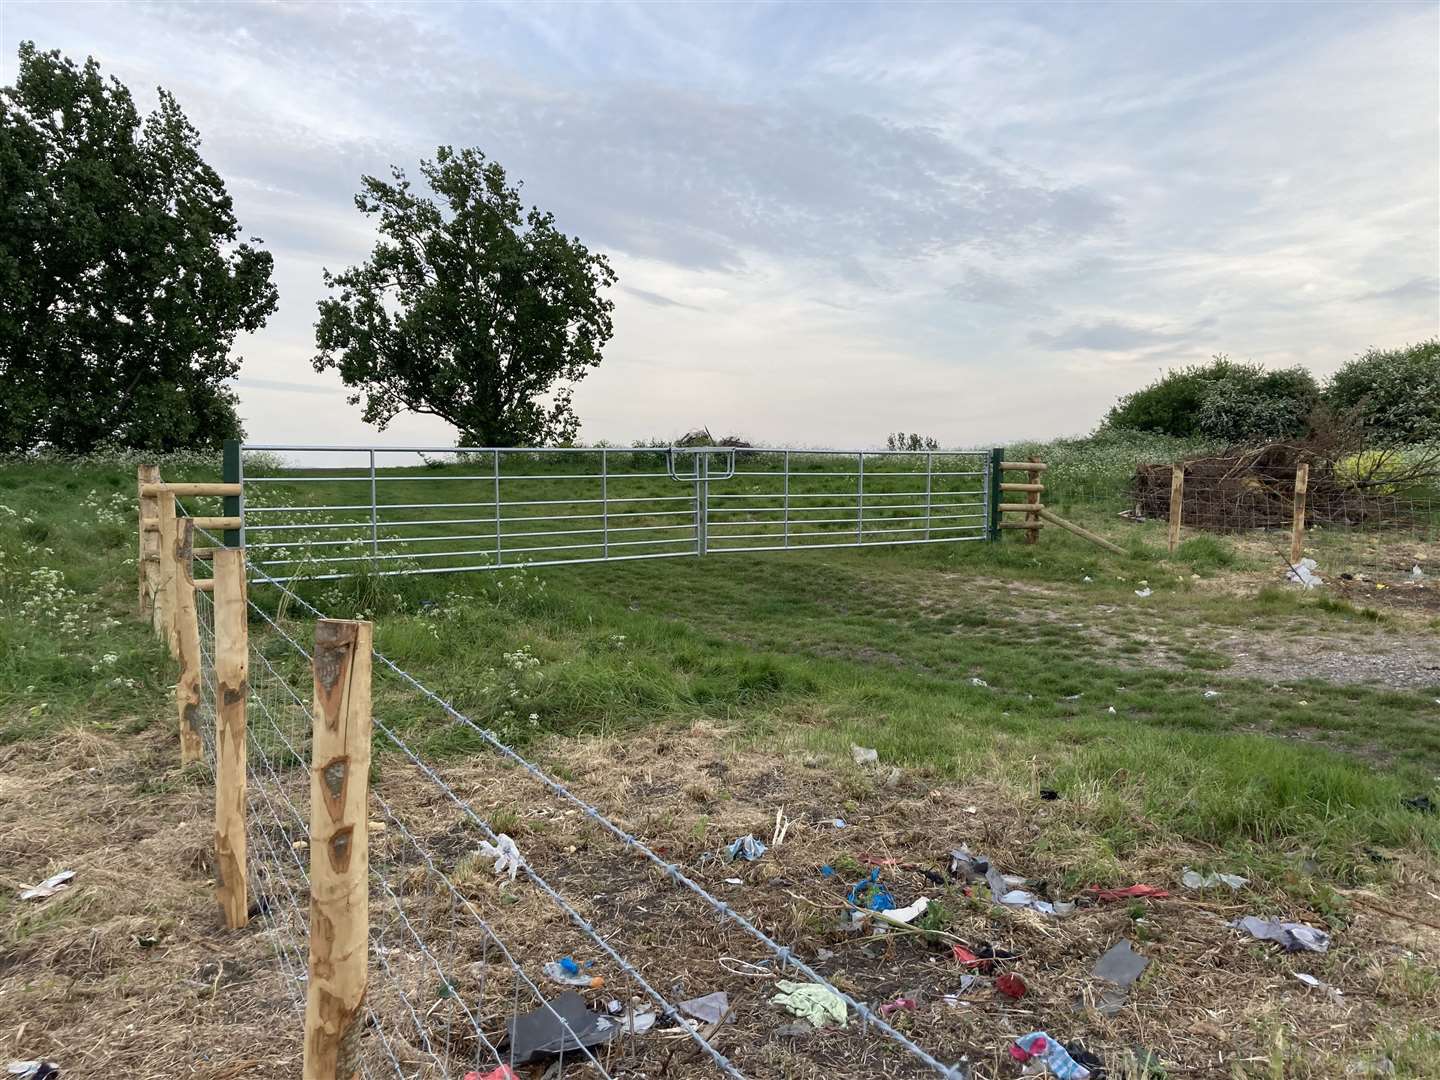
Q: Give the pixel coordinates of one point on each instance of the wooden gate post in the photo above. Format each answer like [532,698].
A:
[1177,504]
[149,553]
[232,660]
[1032,497]
[165,586]
[339,850]
[187,642]
[1297,531]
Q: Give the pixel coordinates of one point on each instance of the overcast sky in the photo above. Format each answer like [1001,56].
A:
[831,221]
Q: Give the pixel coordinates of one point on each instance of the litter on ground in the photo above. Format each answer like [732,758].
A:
[1192,880]
[1310,980]
[811,1001]
[746,847]
[864,755]
[504,852]
[561,1025]
[1303,574]
[1119,967]
[710,1009]
[1294,937]
[49,887]
[1039,1047]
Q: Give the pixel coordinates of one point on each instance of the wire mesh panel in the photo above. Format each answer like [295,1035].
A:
[322,513]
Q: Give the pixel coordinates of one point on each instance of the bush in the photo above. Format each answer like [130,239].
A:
[1220,400]
[1392,395]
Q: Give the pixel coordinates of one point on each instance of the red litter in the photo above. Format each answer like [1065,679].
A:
[965,956]
[504,1072]
[908,1004]
[1011,985]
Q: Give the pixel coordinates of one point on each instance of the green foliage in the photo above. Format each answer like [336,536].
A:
[470,309]
[1392,395]
[122,279]
[1222,400]
[901,440]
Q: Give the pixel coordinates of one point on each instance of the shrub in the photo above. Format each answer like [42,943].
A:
[1392,395]
[1221,400]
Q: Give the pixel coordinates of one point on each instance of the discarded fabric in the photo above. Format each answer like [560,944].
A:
[505,853]
[869,893]
[746,847]
[710,1009]
[864,755]
[1040,1046]
[1192,880]
[815,1002]
[1303,573]
[1130,892]
[34,1070]
[541,1030]
[1292,936]
[49,887]
[1310,980]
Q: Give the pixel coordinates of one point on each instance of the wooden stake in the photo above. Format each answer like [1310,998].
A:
[1297,532]
[339,850]
[165,590]
[232,660]
[1070,526]
[149,553]
[1177,504]
[1032,517]
[187,642]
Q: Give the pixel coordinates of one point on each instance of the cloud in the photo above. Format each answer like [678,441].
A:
[1114,335]
[1419,288]
[656,299]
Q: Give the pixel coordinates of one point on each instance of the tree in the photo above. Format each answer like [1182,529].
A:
[1223,400]
[470,309]
[122,284]
[1392,395]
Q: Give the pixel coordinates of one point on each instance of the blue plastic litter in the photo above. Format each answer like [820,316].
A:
[569,965]
[827,871]
[869,893]
[746,847]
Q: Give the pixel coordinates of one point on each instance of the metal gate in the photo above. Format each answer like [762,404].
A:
[320,513]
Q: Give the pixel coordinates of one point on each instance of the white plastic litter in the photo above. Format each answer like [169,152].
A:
[506,855]
[864,755]
[977,681]
[1193,880]
[1310,980]
[1416,574]
[556,972]
[1210,695]
[1303,572]
[1142,593]
[50,886]
[1293,937]
[909,913]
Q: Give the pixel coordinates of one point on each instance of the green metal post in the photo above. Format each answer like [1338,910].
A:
[230,474]
[997,455]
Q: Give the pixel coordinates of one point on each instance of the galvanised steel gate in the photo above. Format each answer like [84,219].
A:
[319,513]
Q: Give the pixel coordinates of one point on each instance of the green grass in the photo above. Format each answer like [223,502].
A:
[825,648]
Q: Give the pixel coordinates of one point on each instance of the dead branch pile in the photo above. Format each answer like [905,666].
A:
[1254,488]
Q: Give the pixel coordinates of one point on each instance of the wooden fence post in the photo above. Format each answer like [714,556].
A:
[1297,531]
[1032,518]
[1177,504]
[187,642]
[339,850]
[165,590]
[232,659]
[149,553]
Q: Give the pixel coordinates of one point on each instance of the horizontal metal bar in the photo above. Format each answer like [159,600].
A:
[795,473]
[490,566]
[849,523]
[852,507]
[852,544]
[835,494]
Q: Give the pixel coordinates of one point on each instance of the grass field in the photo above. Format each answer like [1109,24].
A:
[1226,718]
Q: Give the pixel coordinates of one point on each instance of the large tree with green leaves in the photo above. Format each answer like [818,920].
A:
[470,308]
[123,280]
